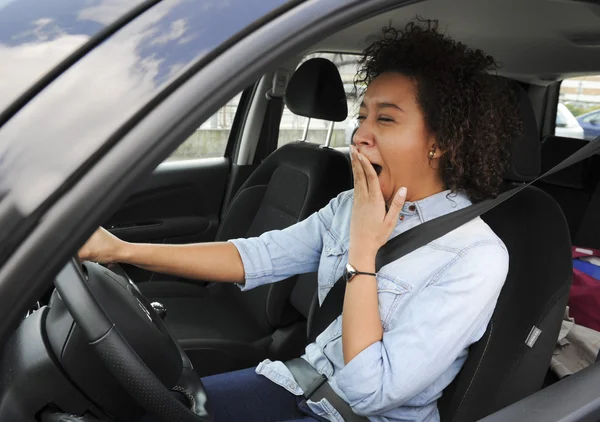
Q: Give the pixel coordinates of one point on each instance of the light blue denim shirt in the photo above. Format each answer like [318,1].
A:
[433,302]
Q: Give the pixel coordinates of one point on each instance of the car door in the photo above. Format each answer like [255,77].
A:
[181,201]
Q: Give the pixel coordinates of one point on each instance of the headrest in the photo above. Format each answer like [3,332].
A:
[577,176]
[316,90]
[525,154]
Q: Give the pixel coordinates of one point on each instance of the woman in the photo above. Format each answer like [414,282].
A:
[433,138]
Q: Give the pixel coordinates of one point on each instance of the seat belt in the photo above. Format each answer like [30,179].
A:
[270,129]
[308,378]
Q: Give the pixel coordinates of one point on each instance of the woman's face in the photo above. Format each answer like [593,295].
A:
[393,136]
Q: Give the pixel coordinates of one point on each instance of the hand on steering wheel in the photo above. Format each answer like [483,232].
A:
[132,341]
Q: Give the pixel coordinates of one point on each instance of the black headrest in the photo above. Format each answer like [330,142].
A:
[316,90]
[577,176]
[525,155]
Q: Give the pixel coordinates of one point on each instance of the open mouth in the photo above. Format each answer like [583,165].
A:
[377,168]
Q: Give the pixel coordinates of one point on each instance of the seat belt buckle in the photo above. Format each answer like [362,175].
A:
[281,78]
[314,386]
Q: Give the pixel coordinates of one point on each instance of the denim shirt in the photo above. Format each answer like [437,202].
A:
[433,303]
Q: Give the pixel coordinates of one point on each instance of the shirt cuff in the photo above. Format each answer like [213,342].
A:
[356,378]
[257,266]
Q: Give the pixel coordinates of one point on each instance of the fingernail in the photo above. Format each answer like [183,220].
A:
[360,156]
[402,192]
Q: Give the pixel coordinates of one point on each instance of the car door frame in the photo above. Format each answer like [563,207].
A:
[73,215]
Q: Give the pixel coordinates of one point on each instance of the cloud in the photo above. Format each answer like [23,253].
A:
[117,77]
[176,31]
[107,11]
[44,29]
[29,62]
[4,3]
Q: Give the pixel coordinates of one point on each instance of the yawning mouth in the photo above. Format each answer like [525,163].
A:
[377,168]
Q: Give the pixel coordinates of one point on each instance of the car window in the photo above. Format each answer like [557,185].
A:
[292,126]
[561,120]
[578,110]
[210,139]
[593,118]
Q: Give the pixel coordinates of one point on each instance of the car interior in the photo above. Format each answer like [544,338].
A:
[261,182]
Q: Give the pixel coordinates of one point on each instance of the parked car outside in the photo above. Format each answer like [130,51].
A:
[567,125]
[590,122]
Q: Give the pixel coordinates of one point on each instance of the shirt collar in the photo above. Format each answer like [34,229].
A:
[436,205]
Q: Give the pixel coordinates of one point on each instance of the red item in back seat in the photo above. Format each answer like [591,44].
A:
[584,299]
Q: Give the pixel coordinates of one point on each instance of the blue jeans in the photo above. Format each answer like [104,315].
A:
[246,396]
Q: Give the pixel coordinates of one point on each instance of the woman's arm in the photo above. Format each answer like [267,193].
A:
[219,261]
[428,331]
[370,228]
[273,256]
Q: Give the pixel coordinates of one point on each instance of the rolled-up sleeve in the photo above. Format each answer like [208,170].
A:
[279,254]
[431,329]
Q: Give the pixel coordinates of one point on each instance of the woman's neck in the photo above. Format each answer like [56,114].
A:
[424,190]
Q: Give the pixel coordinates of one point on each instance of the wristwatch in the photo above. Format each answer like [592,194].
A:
[350,272]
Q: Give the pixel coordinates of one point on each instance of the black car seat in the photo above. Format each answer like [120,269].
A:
[511,360]
[221,328]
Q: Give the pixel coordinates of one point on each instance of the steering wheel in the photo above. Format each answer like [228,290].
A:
[132,341]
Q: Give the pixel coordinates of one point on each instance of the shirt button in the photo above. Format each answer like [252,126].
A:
[401,218]
[412,208]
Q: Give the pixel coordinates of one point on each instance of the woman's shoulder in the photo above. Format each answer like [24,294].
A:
[342,203]
[472,249]
[470,235]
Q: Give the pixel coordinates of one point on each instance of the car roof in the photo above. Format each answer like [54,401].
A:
[589,113]
[537,41]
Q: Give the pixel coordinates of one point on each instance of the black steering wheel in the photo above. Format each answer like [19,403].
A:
[132,341]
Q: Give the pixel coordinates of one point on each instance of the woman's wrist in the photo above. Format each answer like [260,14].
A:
[122,252]
[362,259]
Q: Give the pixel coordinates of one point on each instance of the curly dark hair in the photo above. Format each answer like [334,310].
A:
[473,115]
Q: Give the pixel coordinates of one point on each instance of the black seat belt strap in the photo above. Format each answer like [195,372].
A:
[316,387]
[269,134]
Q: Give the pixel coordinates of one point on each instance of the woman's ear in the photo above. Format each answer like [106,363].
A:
[434,150]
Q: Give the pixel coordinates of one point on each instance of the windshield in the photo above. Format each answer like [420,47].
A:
[36,35]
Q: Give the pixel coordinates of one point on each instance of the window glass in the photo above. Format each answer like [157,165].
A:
[210,139]
[578,110]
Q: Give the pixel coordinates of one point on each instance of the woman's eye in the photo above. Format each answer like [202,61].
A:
[385,119]
[360,118]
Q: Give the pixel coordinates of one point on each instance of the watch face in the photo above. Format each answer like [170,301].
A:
[349,272]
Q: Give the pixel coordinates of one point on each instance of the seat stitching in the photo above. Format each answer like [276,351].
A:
[476,369]
[237,195]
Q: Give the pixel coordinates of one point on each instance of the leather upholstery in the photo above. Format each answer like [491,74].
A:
[219,327]
[316,90]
